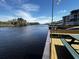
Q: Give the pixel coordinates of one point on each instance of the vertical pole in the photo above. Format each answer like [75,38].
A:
[52,14]
[51,30]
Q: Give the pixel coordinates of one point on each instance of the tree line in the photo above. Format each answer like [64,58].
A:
[19,22]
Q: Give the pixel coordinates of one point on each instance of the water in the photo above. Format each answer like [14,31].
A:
[23,42]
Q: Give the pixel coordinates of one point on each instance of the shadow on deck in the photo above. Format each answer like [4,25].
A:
[62,52]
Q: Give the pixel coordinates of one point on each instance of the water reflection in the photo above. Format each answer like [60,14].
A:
[22,42]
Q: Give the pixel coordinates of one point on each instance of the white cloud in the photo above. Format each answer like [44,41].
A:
[62,11]
[60,14]
[6,18]
[57,18]
[30,7]
[44,19]
[58,2]
[27,16]
[30,18]
[21,12]
[27,7]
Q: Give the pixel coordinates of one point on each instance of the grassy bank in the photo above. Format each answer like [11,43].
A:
[66,31]
[6,25]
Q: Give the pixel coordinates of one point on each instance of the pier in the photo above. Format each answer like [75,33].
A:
[64,46]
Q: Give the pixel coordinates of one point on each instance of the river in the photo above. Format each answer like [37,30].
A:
[23,42]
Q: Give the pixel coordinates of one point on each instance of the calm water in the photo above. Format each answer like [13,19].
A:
[23,42]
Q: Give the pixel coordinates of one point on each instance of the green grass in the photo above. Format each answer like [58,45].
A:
[66,31]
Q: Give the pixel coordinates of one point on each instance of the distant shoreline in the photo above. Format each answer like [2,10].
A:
[6,25]
[10,25]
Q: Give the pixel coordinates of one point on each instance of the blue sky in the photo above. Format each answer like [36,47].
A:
[31,10]
[63,7]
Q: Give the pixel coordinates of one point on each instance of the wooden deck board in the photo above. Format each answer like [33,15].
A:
[68,40]
[55,41]
[75,46]
[58,51]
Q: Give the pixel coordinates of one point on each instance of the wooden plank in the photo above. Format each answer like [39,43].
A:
[68,40]
[76,45]
[77,51]
[61,33]
[55,41]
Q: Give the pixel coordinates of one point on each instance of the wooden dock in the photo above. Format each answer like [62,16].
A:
[58,49]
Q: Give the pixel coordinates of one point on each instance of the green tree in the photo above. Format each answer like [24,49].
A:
[21,22]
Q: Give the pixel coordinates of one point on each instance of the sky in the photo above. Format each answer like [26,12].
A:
[31,10]
[63,7]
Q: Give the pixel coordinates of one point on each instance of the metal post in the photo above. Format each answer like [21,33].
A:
[52,14]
